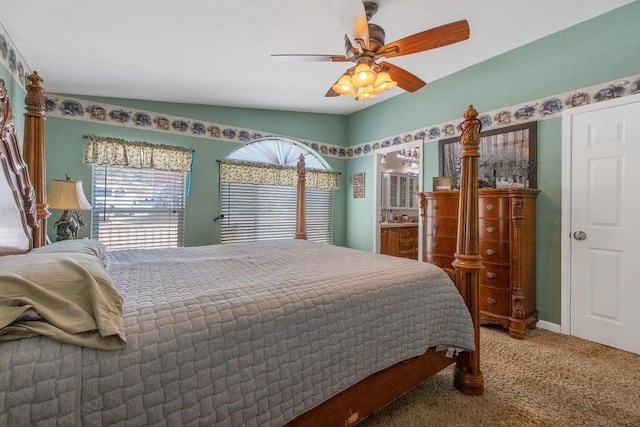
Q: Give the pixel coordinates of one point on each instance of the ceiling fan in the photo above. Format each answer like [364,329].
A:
[365,45]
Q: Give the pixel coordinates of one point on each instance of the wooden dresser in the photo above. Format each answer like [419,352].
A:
[507,246]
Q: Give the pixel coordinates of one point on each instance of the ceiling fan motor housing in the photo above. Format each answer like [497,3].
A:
[376,37]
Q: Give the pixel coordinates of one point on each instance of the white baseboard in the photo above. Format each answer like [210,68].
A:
[549,326]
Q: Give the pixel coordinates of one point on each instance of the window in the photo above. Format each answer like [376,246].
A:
[138,208]
[267,211]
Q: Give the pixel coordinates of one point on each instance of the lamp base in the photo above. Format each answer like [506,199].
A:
[68,225]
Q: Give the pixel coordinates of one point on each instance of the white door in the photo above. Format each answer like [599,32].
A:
[605,226]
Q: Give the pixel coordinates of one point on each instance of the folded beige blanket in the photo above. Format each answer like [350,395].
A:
[68,297]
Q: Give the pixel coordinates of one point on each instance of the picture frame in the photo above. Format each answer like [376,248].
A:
[358,185]
[441,183]
[507,157]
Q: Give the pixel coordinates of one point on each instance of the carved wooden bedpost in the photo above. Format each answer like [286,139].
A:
[301,206]
[468,262]
[34,154]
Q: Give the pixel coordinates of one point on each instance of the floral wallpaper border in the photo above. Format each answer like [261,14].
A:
[79,109]
[539,109]
[549,107]
[12,59]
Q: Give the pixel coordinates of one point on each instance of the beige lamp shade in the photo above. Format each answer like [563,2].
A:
[67,195]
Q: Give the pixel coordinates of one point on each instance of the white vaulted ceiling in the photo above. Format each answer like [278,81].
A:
[217,52]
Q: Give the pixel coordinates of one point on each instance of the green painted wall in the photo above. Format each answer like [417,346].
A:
[65,146]
[599,50]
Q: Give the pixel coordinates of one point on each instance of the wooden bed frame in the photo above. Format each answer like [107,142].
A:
[24,212]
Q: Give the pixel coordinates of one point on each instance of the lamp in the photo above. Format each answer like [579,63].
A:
[383,82]
[365,93]
[344,86]
[365,81]
[409,154]
[68,196]
[363,76]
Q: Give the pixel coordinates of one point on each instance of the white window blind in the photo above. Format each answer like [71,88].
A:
[267,212]
[138,208]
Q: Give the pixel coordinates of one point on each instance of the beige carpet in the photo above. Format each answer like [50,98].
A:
[548,379]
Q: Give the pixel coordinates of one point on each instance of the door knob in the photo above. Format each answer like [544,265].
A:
[579,235]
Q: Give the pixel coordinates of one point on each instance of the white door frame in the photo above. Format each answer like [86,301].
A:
[377,169]
[565,251]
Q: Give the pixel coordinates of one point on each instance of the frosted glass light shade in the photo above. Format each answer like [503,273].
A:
[363,76]
[67,195]
[365,93]
[383,82]
[344,86]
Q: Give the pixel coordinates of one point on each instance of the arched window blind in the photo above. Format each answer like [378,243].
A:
[258,193]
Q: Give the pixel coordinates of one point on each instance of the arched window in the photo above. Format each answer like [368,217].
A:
[260,202]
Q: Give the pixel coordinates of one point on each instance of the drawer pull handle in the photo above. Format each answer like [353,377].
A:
[491,229]
[435,207]
[490,207]
[435,245]
[435,226]
[491,275]
[491,252]
[491,300]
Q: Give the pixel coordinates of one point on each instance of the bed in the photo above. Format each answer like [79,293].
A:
[267,333]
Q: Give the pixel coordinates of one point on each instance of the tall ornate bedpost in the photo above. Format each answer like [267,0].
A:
[468,262]
[301,206]
[34,154]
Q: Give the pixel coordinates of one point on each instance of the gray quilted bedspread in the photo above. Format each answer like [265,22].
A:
[249,334]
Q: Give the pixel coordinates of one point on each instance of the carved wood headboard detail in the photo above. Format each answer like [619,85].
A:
[17,195]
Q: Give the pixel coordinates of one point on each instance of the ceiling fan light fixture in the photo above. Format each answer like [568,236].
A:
[383,82]
[344,86]
[363,76]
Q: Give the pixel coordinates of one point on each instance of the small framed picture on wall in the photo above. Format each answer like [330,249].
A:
[442,183]
[358,185]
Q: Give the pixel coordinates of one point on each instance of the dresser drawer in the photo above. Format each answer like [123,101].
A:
[493,207]
[494,229]
[496,276]
[443,207]
[408,232]
[442,226]
[496,301]
[440,245]
[494,251]
[407,245]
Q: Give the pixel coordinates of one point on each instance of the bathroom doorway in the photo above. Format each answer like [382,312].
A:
[397,227]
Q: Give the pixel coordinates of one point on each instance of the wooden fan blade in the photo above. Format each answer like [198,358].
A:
[430,39]
[301,57]
[331,93]
[354,20]
[405,79]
